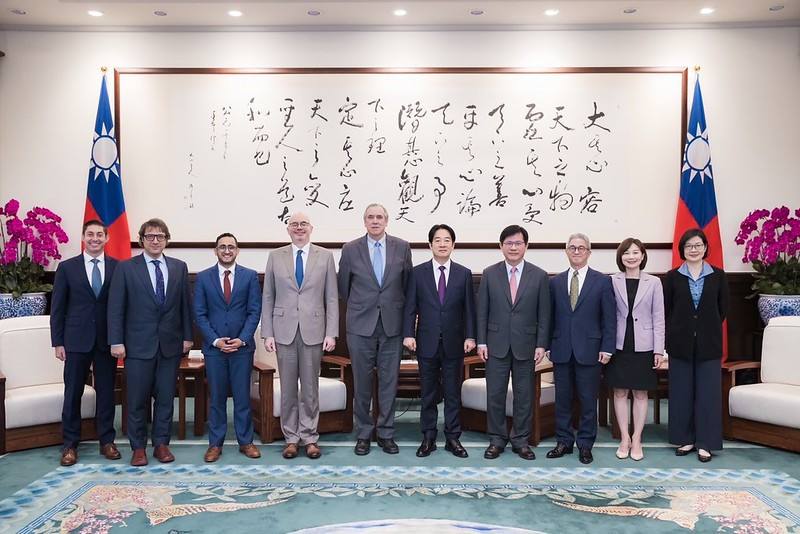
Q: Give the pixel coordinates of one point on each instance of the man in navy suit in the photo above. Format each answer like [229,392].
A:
[440,308]
[150,326]
[584,337]
[78,333]
[227,307]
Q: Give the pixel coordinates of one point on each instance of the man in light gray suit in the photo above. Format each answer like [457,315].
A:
[513,334]
[373,275]
[300,319]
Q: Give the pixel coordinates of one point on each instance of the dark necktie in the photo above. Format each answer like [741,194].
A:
[442,284]
[226,286]
[97,280]
[298,268]
[160,295]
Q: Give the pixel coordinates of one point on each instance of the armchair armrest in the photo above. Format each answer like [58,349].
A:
[263,368]
[469,363]
[344,363]
[738,366]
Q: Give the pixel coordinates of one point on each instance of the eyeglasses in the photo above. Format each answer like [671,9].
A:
[513,243]
[580,249]
[694,246]
[302,224]
[155,237]
[225,248]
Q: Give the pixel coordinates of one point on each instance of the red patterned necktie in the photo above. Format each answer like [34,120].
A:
[226,287]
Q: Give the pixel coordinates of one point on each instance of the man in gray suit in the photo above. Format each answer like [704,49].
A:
[513,332]
[373,275]
[299,320]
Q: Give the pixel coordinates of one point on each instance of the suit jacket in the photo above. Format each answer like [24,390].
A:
[648,313]
[521,326]
[452,321]
[314,306]
[135,318]
[216,318]
[685,324]
[78,319]
[359,289]
[591,327]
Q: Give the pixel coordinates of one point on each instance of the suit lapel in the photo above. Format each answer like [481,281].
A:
[216,283]
[644,287]
[174,274]
[81,272]
[523,281]
[313,258]
[289,263]
[144,276]
[431,281]
[620,287]
[587,286]
[391,250]
[109,271]
[365,257]
[502,273]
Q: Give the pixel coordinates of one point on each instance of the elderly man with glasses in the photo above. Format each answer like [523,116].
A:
[300,319]
[150,327]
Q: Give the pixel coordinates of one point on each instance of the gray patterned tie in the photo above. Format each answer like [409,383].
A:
[573,290]
[97,280]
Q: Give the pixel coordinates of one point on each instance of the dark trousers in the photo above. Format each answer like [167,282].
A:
[442,372]
[230,372]
[573,379]
[380,352]
[76,369]
[145,379]
[695,403]
[522,384]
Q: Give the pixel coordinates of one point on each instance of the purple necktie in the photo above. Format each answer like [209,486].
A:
[441,284]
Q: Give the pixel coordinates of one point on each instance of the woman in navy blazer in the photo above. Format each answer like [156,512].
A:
[640,342]
[695,302]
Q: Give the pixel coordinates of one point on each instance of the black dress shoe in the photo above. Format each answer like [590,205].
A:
[427,447]
[680,452]
[362,447]
[492,452]
[524,452]
[559,451]
[454,446]
[388,445]
[585,455]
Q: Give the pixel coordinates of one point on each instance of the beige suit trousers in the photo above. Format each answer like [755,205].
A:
[299,408]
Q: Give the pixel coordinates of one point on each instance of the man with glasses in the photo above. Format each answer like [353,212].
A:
[150,327]
[373,275]
[513,331]
[227,308]
[584,338]
[300,320]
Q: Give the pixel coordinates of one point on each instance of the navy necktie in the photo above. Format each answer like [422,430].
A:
[97,280]
[298,268]
[442,284]
[160,295]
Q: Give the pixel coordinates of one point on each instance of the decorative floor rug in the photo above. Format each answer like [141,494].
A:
[313,499]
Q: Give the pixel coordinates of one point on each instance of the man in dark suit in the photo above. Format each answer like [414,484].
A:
[373,276]
[227,307]
[150,326]
[440,309]
[513,331]
[78,331]
[584,337]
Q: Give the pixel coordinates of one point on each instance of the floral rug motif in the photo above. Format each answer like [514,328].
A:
[187,498]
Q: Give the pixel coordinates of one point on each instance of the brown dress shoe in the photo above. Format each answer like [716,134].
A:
[110,451]
[313,451]
[163,454]
[212,454]
[139,458]
[69,456]
[250,450]
[290,451]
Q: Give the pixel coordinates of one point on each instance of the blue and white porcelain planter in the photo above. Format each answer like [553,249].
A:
[26,304]
[770,306]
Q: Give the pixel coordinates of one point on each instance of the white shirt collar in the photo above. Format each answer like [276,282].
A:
[222,269]
[160,258]
[304,248]
[382,240]
[436,265]
[88,258]
[581,272]
[518,266]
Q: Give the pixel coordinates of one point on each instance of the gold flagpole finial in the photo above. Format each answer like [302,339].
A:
[697,68]
[104,69]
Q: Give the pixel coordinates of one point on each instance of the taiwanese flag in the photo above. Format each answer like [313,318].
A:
[104,199]
[697,205]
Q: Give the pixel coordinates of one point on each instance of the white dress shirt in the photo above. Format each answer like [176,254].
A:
[152,270]
[221,270]
[305,250]
[581,277]
[436,272]
[101,264]
[519,270]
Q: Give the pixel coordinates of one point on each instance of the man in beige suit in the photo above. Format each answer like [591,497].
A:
[300,319]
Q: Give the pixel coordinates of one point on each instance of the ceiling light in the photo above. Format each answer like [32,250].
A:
[551,12]
[775,8]
[234,13]
[160,13]
[313,12]
[707,11]
[629,11]
[95,13]
[23,12]
[476,12]
[400,12]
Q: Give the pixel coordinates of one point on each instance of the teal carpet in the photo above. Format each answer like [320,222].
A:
[745,488]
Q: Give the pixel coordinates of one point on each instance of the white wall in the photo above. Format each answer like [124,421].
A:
[49,84]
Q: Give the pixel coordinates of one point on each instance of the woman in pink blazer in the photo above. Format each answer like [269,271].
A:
[640,342]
